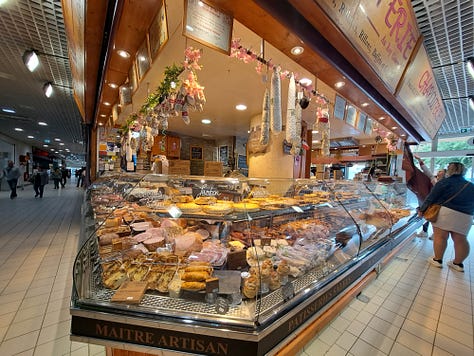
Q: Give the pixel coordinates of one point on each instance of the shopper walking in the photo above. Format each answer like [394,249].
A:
[456,195]
[64,176]
[39,181]
[56,177]
[11,174]
[79,177]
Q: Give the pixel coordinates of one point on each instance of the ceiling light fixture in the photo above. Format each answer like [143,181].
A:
[30,136]
[206,121]
[339,85]
[297,50]
[31,59]
[364,105]
[122,53]
[42,123]
[305,82]
[48,89]
[113,85]
[10,111]
[241,107]
[470,66]
[18,129]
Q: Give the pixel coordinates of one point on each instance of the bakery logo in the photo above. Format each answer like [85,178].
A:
[207,191]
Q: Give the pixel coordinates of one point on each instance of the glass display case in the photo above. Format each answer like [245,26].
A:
[231,263]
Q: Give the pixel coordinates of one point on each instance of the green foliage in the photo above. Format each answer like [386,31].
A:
[164,89]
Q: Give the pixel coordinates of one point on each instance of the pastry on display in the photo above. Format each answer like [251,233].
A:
[218,208]
[189,208]
[246,207]
[205,200]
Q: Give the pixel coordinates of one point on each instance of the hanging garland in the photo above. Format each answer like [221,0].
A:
[174,97]
[247,56]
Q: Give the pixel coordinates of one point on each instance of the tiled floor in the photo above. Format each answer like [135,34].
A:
[412,309]
[38,244]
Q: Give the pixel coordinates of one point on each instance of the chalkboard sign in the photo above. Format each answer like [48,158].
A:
[242,162]
[224,155]
[196,152]
[339,108]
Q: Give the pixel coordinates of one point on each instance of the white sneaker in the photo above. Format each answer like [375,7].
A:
[430,237]
[459,268]
[422,234]
[435,263]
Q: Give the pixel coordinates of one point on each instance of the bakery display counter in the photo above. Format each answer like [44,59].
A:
[224,265]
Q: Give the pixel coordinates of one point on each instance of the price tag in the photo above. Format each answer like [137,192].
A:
[236,260]
[212,285]
[288,291]
[222,305]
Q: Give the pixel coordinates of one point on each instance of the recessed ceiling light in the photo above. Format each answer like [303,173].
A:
[61,144]
[123,54]
[57,139]
[381,118]
[30,136]
[10,111]
[101,124]
[297,50]
[241,107]
[45,146]
[103,115]
[18,129]
[394,127]
[305,82]
[365,104]
[339,85]
[113,85]
[106,103]
[403,135]
[315,131]
[206,121]
[42,123]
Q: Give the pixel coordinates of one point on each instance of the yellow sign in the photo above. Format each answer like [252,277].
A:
[384,32]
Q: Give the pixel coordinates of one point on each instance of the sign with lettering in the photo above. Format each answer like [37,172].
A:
[384,32]
[208,25]
[419,94]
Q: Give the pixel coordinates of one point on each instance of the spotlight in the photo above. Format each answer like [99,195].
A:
[48,89]
[470,66]
[30,58]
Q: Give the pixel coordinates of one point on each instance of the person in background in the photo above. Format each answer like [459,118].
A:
[434,180]
[12,173]
[64,176]
[455,215]
[80,176]
[21,178]
[39,181]
[56,177]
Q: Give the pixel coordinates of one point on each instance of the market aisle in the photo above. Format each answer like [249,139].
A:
[38,244]
[412,308]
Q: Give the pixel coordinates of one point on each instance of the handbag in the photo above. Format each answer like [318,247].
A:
[431,213]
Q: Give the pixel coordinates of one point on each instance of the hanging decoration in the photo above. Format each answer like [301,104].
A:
[265,130]
[324,128]
[178,93]
[248,56]
[275,102]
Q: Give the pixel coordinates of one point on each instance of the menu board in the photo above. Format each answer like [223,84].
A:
[361,121]
[351,115]
[384,32]
[339,108]
[208,25]
[420,95]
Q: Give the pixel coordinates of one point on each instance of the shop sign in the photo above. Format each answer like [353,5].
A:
[384,32]
[207,25]
[419,94]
